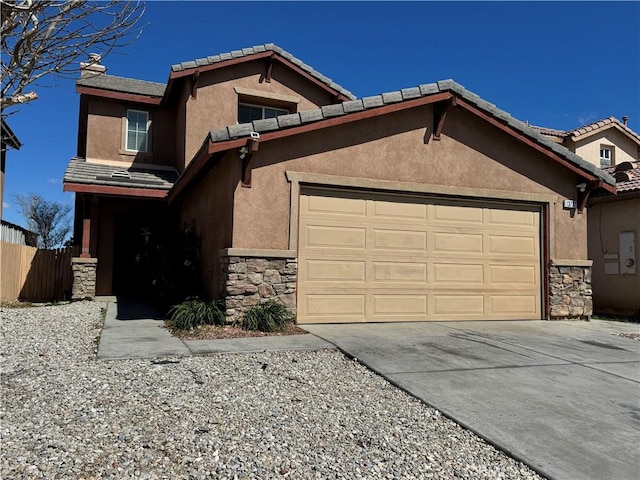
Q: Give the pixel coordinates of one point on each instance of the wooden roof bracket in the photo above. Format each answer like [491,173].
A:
[194,84]
[246,155]
[270,61]
[584,191]
[440,110]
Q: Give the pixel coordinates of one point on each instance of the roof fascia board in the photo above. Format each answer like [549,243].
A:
[531,143]
[113,190]
[198,163]
[248,58]
[112,94]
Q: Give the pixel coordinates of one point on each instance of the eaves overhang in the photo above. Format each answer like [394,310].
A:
[444,92]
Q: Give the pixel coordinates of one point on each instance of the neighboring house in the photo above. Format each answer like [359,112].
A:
[12,233]
[426,203]
[8,140]
[613,221]
[614,232]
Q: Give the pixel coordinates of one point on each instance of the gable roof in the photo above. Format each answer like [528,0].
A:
[235,136]
[590,129]
[246,54]
[127,87]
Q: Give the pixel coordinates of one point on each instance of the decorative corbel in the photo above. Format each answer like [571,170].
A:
[246,155]
[440,115]
[584,191]
[194,84]
[270,61]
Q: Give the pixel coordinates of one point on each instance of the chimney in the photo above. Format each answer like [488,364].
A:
[92,67]
[625,119]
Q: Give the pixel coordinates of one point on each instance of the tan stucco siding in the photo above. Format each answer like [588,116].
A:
[216,105]
[398,147]
[606,220]
[105,134]
[626,150]
[210,204]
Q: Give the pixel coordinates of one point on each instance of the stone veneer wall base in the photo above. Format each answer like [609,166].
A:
[570,290]
[250,280]
[84,278]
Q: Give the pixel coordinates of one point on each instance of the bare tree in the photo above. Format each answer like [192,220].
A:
[43,38]
[49,219]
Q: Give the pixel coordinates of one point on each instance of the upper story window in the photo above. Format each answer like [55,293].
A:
[137,131]
[607,155]
[248,113]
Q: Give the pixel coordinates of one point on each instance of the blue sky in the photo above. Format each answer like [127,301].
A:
[554,64]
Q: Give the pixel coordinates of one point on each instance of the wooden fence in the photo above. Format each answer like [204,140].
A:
[34,275]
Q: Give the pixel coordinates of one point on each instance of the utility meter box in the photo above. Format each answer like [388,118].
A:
[627,253]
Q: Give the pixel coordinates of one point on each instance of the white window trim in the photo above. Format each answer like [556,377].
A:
[607,155]
[126,131]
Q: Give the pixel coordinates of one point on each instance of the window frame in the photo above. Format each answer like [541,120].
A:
[610,150]
[262,107]
[147,140]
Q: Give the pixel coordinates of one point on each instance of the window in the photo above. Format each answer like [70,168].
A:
[248,113]
[606,156]
[137,129]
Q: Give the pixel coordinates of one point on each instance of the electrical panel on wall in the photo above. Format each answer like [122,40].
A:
[627,253]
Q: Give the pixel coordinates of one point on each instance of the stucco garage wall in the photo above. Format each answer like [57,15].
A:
[398,147]
[613,293]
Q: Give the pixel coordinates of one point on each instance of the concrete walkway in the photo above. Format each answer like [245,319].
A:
[133,330]
[563,397]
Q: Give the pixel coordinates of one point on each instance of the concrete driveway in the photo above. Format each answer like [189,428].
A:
[563,397]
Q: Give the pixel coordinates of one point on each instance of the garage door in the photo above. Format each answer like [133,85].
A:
[364,257]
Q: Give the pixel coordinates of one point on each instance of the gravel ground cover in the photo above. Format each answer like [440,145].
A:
[269,415]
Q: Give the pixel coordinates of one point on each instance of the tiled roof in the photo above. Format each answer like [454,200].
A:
[81,171]
[121,84]
[585,129]
[8,137]
[627,175]
[346,108]
[245,52]
[549,131]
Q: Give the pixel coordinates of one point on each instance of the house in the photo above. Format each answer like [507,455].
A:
[613,221]
[8,140]
[418,204]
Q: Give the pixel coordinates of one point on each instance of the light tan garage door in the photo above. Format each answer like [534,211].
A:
[378,258]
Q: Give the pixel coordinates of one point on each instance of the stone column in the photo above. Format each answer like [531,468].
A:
[84,278]
[570,290]
[252,276]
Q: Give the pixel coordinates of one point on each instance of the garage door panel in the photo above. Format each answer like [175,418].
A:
[455,273]
[335,237]
[457,214]
[513,245]
[399,240]
[337,206]
[458,304]
[514,274]
[399,272]
[335,305]
[513,218]
[395,211]
[457,243]
[335,271]
[525,305]
[385,257]
[399,305]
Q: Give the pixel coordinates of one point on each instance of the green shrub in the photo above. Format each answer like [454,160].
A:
[194,312]
[270,316]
